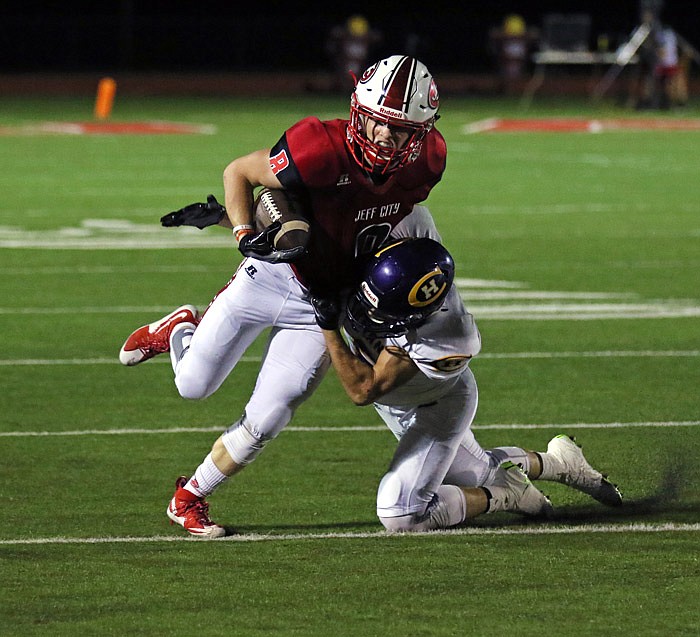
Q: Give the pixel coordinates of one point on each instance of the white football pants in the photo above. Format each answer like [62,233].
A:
[436,447]
[259,296]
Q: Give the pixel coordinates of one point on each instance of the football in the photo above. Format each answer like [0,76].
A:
[278,205]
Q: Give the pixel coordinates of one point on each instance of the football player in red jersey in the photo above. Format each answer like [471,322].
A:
[360,177]
[362,181]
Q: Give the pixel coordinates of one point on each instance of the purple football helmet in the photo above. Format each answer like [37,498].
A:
[402,285]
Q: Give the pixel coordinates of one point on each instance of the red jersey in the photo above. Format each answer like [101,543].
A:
[349,214]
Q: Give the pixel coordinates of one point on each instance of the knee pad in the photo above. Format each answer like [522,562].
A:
[192,386]
[399,524]
[390,499]
[241,443]
[447,508]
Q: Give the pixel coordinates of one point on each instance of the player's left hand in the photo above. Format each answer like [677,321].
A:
[199,215]
[261,246]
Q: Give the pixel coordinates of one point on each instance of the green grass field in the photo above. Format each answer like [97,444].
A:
[579,255]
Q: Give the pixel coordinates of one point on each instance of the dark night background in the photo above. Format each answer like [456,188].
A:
[175,36]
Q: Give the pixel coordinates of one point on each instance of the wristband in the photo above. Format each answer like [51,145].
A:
[240,231]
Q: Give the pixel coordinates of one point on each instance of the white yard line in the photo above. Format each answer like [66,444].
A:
[103,269]
[123,309]
[91,361]
[691,353]
[573,310]
[468,531]
[340,428]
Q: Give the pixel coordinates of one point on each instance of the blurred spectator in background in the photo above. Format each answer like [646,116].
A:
[662,80]
[350,46]
[510,45]
[679,84]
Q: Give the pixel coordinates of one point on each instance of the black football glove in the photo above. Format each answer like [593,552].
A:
[261,246]
[200,215]
[327,311]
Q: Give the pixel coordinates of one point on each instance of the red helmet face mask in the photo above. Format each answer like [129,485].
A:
[398,92]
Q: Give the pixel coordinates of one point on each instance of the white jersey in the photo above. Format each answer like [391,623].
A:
[441,348]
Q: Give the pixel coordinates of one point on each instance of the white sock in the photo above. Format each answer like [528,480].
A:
[552,468]
[206,478]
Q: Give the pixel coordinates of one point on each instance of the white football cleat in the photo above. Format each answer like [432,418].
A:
[512,491]
[149,340]
[578,474]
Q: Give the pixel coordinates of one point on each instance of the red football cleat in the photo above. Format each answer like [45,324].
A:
[150,340]
[192,513]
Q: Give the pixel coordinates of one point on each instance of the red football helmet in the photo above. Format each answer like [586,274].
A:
[400,92]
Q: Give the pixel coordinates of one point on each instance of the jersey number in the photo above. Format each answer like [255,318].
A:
[279,162]
[371,238]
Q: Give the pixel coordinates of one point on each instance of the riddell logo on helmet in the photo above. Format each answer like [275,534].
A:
[369,295]
[392,113]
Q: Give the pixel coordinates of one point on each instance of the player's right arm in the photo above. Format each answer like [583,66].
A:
[241,177]
[364,383]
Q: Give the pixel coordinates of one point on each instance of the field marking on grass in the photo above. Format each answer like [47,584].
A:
[105,269]
[126,234]
[669,527]
[563,311]
[91,361]
[583,311]
[565,208]
[125,309]
[578,125]
[539,295]
[691,353]
[157,127]
[486,299]
[111,234]
[339,428]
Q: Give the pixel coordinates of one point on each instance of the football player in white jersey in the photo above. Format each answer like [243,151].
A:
[403,343]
